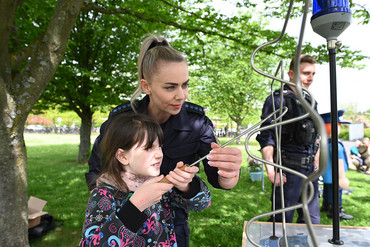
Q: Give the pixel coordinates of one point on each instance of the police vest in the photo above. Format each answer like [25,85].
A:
[302,132]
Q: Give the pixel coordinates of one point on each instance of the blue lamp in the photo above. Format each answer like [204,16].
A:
[330,17]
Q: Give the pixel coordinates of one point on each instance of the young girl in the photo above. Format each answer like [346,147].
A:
[130,206]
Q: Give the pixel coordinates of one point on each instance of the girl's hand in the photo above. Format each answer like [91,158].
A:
[149,193]
[181,178]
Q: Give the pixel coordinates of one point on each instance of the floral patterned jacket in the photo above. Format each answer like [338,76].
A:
[112,221]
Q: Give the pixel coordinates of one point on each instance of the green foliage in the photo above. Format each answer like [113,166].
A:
[344,134]
[99,68]
[367,132]
[99,65]
[226,84]
[31,20]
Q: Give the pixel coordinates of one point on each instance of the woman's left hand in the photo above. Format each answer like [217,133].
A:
[181,178]
[228,160]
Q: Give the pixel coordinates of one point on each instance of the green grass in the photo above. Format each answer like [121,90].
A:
[55,176]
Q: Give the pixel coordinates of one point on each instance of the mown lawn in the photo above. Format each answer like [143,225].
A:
[54,175]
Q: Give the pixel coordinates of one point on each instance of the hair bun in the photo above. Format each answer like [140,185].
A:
[155,44]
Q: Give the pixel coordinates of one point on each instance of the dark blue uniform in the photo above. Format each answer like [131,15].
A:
[297,149]
[187,137]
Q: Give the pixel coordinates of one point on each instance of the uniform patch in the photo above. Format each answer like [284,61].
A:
[194,108]
[122,108]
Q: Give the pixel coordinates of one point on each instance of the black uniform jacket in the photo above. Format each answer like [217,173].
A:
[187,137]
[267,137]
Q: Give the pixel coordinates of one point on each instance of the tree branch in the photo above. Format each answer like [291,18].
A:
[186,11]
[145,17]
[19,56]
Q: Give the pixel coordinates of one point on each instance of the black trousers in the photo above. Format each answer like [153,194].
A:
[182,229]
[292,196]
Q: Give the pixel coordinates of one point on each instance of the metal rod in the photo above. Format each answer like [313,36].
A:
[334,142]
[242,134]
[307,184]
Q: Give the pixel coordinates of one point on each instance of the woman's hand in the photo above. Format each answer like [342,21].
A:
[181,178]
[228,160]
[149,193]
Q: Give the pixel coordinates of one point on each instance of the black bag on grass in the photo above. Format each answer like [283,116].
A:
[47,223]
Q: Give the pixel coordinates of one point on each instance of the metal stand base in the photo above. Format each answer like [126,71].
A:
[336,242]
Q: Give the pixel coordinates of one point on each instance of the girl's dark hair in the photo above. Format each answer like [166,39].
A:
[126,131]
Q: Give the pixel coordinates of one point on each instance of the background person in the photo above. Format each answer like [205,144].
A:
[365,154]
[130,206]
[188,132]
[299,144]
[342,169]
[356,158]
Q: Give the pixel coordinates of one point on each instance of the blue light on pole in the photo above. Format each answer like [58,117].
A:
[330,17]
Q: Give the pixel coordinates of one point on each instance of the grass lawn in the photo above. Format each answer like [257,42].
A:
[54,175]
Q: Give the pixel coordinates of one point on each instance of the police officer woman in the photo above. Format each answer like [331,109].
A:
[188,132]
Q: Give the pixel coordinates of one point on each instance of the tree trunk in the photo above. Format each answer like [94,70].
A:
[13,192]
[238,124]
[85,142]
[23,77]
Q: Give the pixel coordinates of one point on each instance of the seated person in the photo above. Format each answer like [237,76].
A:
[365,154]
[356,159]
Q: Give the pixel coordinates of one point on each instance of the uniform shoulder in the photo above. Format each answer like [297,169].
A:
[194,108]
[285,92]
[124,107]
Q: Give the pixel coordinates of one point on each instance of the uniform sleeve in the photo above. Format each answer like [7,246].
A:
[94,160]
[207,137]
[198,201]
[105,221]
[94,165]
[267,137]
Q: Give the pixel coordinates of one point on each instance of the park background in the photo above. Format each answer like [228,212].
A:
[58,64]
[57,179]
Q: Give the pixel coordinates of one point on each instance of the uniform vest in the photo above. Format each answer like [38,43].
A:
[302,132]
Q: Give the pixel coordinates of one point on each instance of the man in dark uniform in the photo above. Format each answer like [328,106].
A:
[299,144]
